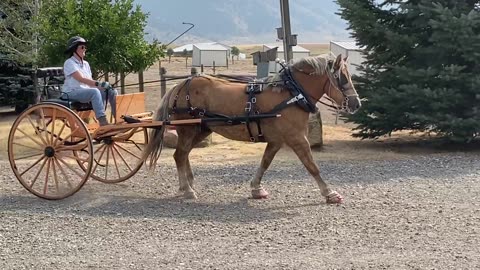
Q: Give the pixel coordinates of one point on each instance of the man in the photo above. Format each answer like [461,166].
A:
[79,84]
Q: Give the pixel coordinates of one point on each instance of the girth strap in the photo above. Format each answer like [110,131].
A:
[251,109]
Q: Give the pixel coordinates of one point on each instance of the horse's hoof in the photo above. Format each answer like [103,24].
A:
[259,193]
[190,195]
[334,198]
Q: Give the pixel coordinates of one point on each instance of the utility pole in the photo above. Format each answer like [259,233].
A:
[285,32]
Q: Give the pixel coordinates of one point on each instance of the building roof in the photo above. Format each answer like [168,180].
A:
[280,47]
[349,45]
[211,46]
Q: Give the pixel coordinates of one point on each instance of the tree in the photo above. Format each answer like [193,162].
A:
[235,52]
[18,38]
[169,53]
[185,54]
[114,29]
[422,69]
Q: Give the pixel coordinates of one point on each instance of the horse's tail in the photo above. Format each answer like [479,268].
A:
[155,143]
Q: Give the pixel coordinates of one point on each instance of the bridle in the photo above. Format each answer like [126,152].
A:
[334,76]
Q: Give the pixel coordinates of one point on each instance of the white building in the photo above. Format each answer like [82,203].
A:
[189,47]
[207,54]
[350,49]
[298,51]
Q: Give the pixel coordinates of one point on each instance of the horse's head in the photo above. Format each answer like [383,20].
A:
[341,88]
[332,76]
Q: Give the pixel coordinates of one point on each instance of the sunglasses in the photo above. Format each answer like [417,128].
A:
[83,47]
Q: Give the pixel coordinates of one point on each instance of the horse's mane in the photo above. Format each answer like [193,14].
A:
[319,63]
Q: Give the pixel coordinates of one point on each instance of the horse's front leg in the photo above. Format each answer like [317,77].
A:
[258,192]
[301,147]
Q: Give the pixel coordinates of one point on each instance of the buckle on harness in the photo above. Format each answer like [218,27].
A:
[248,108]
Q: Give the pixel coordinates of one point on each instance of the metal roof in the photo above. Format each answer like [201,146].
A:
[210,47]
[348,45]
[280,47]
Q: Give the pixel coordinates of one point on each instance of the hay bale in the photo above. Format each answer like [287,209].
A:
[315,130]
[170,139]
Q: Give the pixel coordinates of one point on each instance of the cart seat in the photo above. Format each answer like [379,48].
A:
[73,105]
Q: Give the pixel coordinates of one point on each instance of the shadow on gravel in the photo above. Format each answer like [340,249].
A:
[85,205]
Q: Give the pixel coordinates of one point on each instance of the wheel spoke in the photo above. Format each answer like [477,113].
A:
[70,167]
[33,139]
[56,141]
[31,166]
[76,158]
[29,156]
[99,159]
[121,156]
[54,117]
[27,146]
[37,129]
[55,176]
[115,161]
[65,176]
[128,151]
[49,161]
[38,173]
[106,162]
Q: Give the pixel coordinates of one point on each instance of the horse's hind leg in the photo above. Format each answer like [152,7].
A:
[200,137]
[258,192]
[301,147]
[184,146]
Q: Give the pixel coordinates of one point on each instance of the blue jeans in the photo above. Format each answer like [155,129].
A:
[96,96]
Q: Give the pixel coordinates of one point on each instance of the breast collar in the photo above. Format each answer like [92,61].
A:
[296,90]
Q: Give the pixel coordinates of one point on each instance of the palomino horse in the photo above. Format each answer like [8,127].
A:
[293,94]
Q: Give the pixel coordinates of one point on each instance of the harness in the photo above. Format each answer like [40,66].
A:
[252,113]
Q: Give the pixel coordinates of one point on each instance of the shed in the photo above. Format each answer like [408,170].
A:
[298,51]
[350,49]
[207,54]
[178,51]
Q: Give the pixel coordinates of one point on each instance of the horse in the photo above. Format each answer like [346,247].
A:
[286,98]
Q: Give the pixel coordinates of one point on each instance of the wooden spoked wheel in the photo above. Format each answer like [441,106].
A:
[117,157]
[40,151]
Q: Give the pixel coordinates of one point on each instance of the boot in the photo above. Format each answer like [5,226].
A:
[103,121]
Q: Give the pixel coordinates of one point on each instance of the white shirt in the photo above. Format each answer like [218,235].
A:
[72,65]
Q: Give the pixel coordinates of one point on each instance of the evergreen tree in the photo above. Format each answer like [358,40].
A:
[422,69]
[18,33]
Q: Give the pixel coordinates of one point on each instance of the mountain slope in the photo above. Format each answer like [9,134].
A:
[246,21]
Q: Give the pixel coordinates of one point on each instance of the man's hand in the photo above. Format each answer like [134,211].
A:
[104,85]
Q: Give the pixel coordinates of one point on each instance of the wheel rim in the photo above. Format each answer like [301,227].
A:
[117,158]
[40,151]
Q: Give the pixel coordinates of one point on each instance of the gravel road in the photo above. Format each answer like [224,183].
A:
[416,213]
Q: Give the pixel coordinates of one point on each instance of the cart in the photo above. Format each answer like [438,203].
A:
[55,146]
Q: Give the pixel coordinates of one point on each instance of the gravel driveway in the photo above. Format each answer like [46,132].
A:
[420,213]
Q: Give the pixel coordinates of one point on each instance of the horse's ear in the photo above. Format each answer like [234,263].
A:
[345,59]
[338,62]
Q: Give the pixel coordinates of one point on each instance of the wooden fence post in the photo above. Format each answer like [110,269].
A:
[193,71]
[201,68]
[163,83]
[140,81]
[213,67]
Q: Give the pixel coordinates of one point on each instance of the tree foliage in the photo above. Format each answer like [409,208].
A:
[235,52]
[169,54]
[18,41]
[422,69]
[114,30]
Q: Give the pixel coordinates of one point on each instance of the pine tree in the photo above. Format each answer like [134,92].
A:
[18,33]
[422,66]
